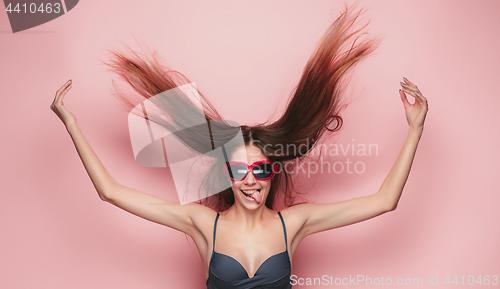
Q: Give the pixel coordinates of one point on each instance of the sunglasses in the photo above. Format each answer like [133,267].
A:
[262,170]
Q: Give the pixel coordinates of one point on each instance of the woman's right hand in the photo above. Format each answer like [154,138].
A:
[58,106]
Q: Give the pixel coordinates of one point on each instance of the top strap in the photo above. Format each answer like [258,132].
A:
[282,222]
[284,229]
[215,229]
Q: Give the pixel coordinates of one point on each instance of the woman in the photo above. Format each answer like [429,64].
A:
[243,243]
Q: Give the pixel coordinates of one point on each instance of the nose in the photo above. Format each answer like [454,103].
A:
[250,179]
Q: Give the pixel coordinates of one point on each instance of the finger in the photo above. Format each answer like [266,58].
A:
[413,90]
[407,81]
[58,92]
[411,86]
[408,86]
[63,90]
[418,93]
[405,101]
[420,97]
[64,86]
[412,93]
[424,103]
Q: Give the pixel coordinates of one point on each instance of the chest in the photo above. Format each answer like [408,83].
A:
[239,253]
[250,248]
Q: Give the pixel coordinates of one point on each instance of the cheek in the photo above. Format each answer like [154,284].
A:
[267,186]
[235,187]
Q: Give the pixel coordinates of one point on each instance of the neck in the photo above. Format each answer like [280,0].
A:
[246,217]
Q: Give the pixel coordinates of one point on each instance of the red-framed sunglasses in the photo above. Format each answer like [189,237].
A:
[262,170]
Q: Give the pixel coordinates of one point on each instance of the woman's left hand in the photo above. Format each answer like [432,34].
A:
[416,112]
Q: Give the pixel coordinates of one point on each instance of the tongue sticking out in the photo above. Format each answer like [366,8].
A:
[256,196]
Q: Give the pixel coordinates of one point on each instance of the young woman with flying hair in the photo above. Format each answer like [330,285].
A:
[242,242]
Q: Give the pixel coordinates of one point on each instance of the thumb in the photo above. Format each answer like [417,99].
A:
[405,101]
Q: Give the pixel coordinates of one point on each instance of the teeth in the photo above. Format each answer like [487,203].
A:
[249,192]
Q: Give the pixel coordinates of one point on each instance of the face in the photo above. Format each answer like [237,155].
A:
[250,192]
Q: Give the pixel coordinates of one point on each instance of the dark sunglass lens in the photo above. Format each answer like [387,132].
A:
[237,172]
[263,171]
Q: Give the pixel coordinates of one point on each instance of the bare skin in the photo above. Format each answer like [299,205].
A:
[249,231]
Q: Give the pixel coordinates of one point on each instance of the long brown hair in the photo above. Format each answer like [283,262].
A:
[312,110]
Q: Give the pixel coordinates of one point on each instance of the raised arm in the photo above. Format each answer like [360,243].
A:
[171,214]
[320,217]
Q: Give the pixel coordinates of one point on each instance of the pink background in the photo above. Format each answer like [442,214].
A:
[247,56]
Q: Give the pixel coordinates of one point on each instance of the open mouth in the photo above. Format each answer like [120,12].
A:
[253,195]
